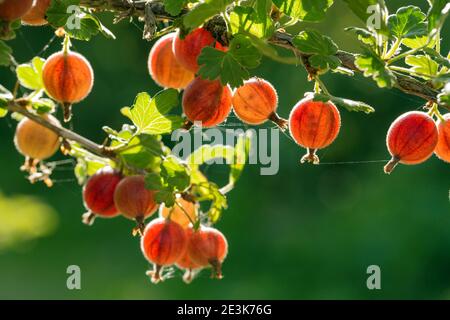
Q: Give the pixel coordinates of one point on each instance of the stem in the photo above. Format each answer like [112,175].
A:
[19,106]
[393,49]
[322,86]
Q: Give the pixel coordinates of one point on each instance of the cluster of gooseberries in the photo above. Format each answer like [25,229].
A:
[175,238]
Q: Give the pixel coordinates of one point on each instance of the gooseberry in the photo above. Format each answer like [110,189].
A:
[443,146]
[183,212]
[36,15]
[11,10]
[411,139]
[314,125]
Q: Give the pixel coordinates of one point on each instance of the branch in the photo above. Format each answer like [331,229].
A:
[19,106]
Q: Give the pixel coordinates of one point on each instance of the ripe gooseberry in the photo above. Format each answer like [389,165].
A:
[256,101]
[98,194]
[11,10]
[187,50]
[163,243]
[36,15]
[134,201]
[314,125]
[185,262]
[208,246]
[35,141]
[411,139]
[164,68]
[68,78]
[183,212]
[443,146]
[206,101]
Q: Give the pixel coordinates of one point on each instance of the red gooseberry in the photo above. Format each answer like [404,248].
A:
[183,212]
[411,139]
[208,246]
[134,201]
[163,243]
[35,141]
[187,50]
[164,68]
[68,78]
[443,146]
[98,194]
[256,101]
[206,101]
[36,15]
[314,125]
[11,10]
[185,262]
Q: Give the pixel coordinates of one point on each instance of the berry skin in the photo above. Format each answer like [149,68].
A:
[35,141]
[134,201]
[98,194]
[68,78]
[183,216]
[188,49]
[11,10]
[208,246]
[443,146]
[314,125]
[207,101]
[36,15]
[185,262]
[164,68]
[411,139]
[256,101]
[163,243]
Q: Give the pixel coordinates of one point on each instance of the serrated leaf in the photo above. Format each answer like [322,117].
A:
[408,22]
[203,11]
[263,8]
[350,105]
[245,20]
[419,42]
[230,66]
[150,115]
[142,151]
[5,54]
[59,11]
[437,14]
[305,10]
[174,7]
[153,181]
[364,35]
[175,174]
[165,196]
[372,66]
[437,57]
[423,65]
[30,75]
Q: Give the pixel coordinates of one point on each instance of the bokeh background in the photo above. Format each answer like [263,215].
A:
[309,232]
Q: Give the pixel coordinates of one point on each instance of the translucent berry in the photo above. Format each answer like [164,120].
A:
[208,246]
[187,50]
[314,125]
[163,243]
[443,146]
[256,101]
[207,102]
[36,15]
[68,78]
[134,201]
[164,68]
[185,262]
[183,212]
[11,10]
[411,139]
[36,141]
[98,194]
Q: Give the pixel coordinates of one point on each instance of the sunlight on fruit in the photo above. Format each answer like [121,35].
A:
[24,219]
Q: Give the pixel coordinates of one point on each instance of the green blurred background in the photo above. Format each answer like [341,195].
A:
[308,232]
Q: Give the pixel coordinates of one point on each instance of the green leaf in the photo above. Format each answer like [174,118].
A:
[241,154]
[5,95]
[167,197]
[444,96]
[86,167]
[58,12]
[321,48]
[408,22]
[203,11]
[230,66]
[245,20]
[142,151]
[5,54]
[423,65]
[437,57]
[90,26]
[174,7]
[30,75]
[419,42]
[150,115]
[43,105]
[305,10]
[437,14]
[175,174]
[374,67]
[364,35]
[350,105]
[153,181]
[206,153]
[263,8]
